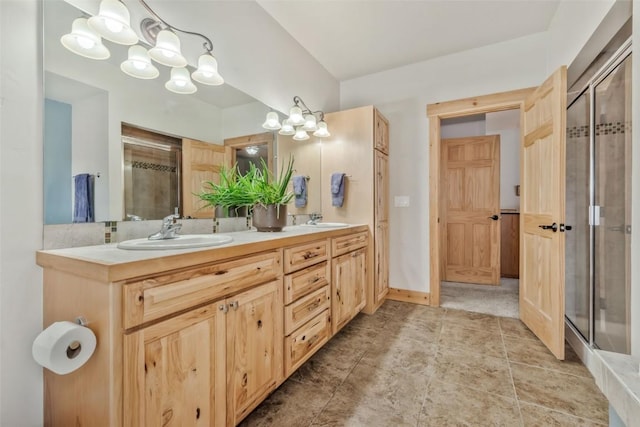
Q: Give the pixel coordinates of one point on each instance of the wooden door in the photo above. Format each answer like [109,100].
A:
[174,372]
[381,132]
[471,200]
[542,205]
[201,162]
[255,341]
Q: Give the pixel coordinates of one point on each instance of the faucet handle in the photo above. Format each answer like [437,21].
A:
[169,218]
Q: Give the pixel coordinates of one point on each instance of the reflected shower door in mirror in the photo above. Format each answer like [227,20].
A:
[100,97]
[152,173]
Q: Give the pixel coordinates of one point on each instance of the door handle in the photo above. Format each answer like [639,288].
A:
[494,217]
[553,227]
[564,228]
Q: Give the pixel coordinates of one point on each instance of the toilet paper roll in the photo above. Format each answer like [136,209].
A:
[64,347]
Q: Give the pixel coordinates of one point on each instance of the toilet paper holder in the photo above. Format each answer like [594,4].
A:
[81,320]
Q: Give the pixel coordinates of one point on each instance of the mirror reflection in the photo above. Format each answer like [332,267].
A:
[141,150]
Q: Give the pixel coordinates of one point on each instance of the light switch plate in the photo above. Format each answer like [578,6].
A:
[402,201]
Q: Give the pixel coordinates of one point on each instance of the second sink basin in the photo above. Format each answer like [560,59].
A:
[328,225]
[185,241]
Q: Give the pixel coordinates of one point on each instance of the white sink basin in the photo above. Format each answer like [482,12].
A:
[186,241]
[328,225]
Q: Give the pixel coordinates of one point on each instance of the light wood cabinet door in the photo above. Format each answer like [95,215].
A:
[381,250]
[381,191]
[255,343]
[174,371]
[348,287]
[381,132]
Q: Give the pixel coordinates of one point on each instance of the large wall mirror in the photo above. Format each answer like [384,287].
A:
[114,129]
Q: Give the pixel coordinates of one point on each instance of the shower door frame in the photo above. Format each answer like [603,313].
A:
[625,50]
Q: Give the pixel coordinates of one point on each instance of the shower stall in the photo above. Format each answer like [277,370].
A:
[598,202]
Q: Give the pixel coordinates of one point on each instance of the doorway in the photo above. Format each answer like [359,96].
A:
[480,170]
[437,113]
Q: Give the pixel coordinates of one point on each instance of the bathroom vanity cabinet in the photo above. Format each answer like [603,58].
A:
[197,337]
[359,147]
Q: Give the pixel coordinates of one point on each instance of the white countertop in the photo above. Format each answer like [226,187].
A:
[109,255]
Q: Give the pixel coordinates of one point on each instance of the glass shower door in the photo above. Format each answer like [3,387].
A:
[612,213]
[577,243]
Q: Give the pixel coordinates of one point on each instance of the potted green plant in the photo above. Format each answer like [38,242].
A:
[229,197]
[270,195]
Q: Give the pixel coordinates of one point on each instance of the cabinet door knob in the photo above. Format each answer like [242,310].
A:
[223,308]
[234,305]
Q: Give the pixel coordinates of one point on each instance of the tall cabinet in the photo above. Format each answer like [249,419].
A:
[359,148]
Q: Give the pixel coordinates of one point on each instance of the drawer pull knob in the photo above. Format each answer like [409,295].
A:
[314,305]
[309,255]
[259,324]
[315,279]
[223,308]
[140,298]
[234,305]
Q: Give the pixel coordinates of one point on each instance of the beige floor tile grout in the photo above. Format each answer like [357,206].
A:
[564,413]
[552,370]
[513,383]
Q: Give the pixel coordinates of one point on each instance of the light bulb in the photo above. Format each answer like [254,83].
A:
[295,116]
[207,72]
[287,128]
[180,82]
[310,123]
[114,26]
[85,42]
[322,131]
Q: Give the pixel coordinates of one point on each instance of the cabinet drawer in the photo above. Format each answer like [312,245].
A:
[301,283]
[344,244]
[298,313]
[304,342]
[156,297]
[302,256]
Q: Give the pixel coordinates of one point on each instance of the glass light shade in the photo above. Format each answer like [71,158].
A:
[295,116]
[287,128]
[310,123]
[113,22]
[83,41]
[301,135]
[252,150]
[180,82]
[139,64]
[207,72]
[272,122]
[322,131]
[167,50]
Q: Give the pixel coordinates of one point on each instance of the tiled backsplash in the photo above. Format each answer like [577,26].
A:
[75,235]
[98,233]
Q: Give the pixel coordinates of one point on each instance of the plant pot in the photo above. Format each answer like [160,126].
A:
[270,217]
[230,212]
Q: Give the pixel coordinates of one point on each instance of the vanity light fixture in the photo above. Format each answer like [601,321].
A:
[83,41]
[300,121]
[139,64]
[180,82]
[113,23]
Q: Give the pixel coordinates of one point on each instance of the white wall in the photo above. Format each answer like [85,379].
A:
[507,125]
[20,211]
[463,126]
[402,94]
[243,120]
[89,147]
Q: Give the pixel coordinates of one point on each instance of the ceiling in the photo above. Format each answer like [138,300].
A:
[352,38]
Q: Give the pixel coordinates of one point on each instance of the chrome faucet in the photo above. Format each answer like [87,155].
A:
[169,228]
[314,218]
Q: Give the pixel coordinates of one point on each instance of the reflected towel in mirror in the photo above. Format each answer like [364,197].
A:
[83,187]
[300,190]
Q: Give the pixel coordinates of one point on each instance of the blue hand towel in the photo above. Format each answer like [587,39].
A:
[83,198]
[300,190]
[337,189]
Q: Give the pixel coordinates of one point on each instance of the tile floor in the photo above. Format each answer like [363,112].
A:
[410,365]
[498,300]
